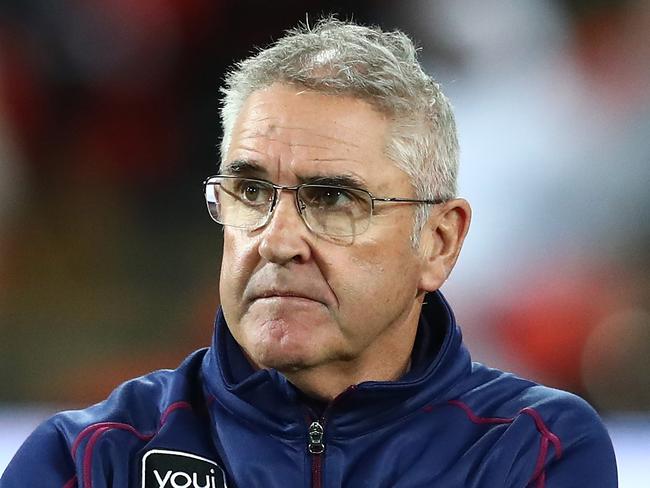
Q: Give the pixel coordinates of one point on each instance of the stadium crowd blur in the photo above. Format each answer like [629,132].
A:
[108,125]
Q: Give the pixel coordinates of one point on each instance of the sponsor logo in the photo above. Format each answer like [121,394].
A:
[176,469]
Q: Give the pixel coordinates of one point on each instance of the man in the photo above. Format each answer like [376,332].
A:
[335,359]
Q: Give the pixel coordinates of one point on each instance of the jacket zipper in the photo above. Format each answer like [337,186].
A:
[316,440]
[316,433]
[316,447]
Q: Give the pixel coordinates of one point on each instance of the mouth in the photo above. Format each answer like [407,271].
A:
[285,296]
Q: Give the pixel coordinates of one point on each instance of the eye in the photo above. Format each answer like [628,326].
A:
[250,191]
[329,197]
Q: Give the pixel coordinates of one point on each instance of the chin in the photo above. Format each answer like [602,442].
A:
[285,359]
[281,343]
[283,362]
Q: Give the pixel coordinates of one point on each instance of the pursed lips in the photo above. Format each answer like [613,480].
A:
[285,294]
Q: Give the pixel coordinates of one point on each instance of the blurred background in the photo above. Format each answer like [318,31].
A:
[108,125]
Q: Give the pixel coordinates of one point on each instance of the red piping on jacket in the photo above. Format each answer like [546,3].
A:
[547,436]
[72,482]
[95,431]
[539,475]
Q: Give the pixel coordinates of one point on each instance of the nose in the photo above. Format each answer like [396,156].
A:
[285,237]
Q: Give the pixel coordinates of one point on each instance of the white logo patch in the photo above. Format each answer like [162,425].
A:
[176,469]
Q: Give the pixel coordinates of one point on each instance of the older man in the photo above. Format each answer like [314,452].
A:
[335,360]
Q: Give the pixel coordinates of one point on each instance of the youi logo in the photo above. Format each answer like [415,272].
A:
[175,469]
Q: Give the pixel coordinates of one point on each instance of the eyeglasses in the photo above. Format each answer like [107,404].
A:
[335,211]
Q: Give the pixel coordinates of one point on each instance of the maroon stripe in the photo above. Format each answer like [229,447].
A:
[545,431]
[541,460]
[72,482]
[541,482]
[171,408]
[88,456]
[539,474]
[547,437]
[91,428]
[88,452]
[480,420]
[83,434]
[95,431]
[316,470]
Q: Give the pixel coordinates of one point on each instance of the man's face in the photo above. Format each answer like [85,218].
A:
[296,300]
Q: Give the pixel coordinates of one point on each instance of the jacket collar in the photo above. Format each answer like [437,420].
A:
[268,399]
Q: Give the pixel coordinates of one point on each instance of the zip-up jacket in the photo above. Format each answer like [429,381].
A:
[215,422]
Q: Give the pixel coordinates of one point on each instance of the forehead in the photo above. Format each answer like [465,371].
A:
[290,131]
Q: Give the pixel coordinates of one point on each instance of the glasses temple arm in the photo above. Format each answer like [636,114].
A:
[407,200]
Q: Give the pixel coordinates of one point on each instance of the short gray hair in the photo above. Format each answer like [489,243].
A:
[378,67]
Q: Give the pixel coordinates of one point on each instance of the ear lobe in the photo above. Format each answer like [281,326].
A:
[441,241]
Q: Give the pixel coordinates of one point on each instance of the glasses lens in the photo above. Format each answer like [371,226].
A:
[238,202]
[335,211]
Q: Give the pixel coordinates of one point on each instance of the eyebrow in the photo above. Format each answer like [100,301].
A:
[243,167]
[335,180]
[253,169]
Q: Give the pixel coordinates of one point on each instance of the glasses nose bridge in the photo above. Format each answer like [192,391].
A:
[277,189]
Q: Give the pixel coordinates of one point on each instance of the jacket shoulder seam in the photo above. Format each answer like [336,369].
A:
[96,430]
[547,437]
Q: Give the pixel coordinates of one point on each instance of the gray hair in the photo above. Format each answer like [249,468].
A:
[378,67]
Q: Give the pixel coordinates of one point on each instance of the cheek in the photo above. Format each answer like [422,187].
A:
[237,264]
[384,273]
[357,292]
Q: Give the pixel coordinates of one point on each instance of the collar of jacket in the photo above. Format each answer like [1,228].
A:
[267,399]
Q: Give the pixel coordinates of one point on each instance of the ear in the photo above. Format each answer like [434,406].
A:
[441,240]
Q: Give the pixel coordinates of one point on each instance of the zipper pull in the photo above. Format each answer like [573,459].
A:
[316,433]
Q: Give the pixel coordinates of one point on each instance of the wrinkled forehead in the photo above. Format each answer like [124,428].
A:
[304,129]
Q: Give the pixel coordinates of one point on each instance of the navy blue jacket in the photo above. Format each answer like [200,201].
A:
[216,422]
